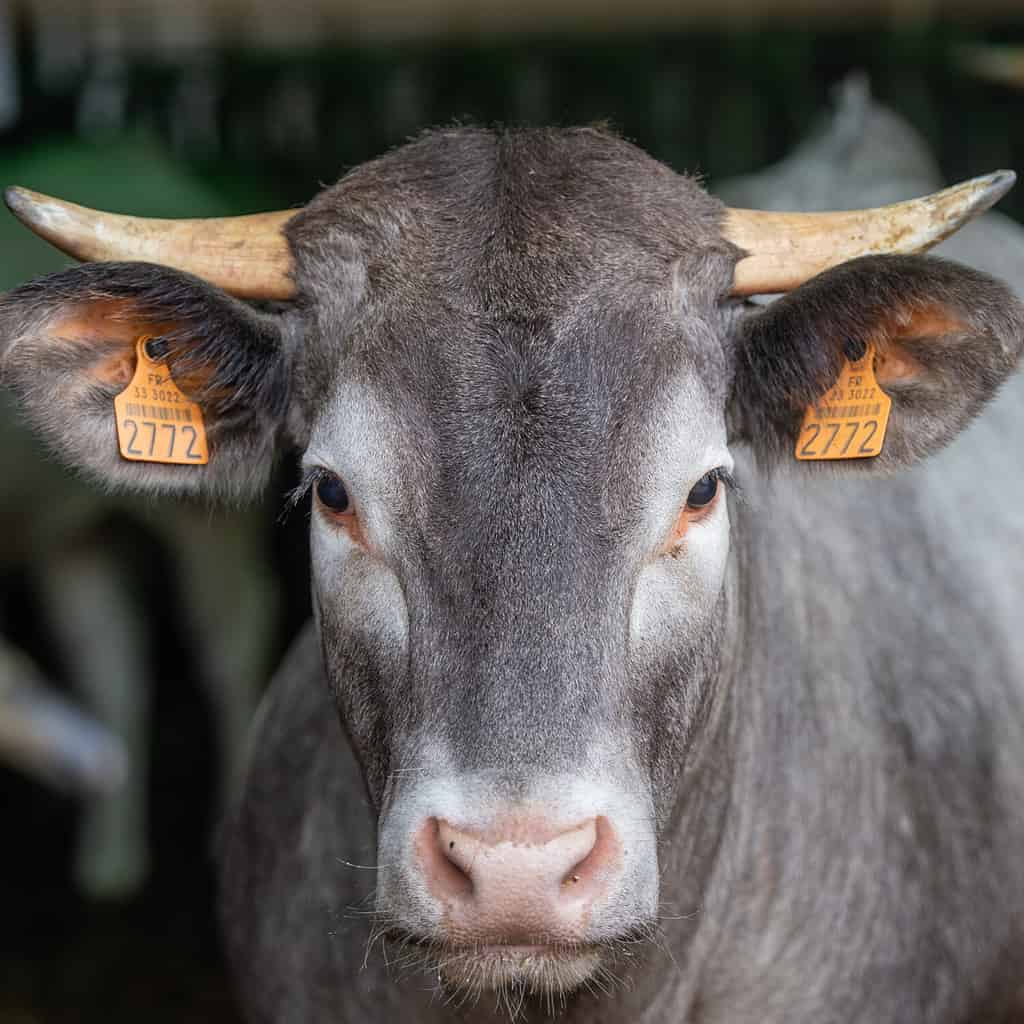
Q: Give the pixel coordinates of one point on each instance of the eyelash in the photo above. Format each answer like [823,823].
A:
[309,480]
[723,476]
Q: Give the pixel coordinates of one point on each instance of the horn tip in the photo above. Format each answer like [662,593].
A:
[1003,181]
[991,188]
[17,200]
[25,204]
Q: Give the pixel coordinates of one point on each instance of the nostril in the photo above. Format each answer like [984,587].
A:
[460,849]
[596,863]
[438,850]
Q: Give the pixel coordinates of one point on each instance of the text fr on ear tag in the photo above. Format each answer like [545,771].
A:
[849,420]
[155,421]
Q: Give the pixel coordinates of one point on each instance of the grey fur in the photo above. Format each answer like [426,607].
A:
[519,352]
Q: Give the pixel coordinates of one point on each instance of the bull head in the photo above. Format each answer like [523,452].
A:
[523,386]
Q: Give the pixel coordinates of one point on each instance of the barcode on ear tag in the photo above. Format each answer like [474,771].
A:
[850,419]
[155,421]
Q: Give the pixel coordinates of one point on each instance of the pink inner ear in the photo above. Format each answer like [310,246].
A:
[116,371]
[929,322]
[98,324]
[893,364]
[102,320]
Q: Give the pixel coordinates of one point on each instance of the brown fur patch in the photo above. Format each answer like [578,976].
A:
[103,321]
[106,320]
[99,320]
[116,370]
[893,364]
[97,324]
[196,383]
[931,322]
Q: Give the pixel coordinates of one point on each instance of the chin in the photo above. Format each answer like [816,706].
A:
[550,972]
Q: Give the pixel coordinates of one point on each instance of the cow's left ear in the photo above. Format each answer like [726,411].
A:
[68,346]
[945,338]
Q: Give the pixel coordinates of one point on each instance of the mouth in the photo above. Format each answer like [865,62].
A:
[549,970]
[534,969]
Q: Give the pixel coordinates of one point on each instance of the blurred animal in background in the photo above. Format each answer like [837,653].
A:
[616,745]
[109,632]
[866,154]
[49,738]
[860,149]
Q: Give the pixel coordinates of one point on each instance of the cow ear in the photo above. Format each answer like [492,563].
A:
[945,337]
[68,347]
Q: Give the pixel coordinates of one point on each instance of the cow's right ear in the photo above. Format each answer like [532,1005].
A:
[68,347]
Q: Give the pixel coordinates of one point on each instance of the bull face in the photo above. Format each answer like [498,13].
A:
[520,535]
[516,367]
[518,563]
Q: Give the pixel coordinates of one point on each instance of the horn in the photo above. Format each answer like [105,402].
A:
[785,249]
[246,256]
[1002,64]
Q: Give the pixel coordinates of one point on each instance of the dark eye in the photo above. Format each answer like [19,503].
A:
[332,494]
[703,491]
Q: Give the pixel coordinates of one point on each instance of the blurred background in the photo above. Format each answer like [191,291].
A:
[135,638]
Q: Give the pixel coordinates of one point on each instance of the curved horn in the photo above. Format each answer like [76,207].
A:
[786,249]
[246,256]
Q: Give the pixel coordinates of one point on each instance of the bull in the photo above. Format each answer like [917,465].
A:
[641,718]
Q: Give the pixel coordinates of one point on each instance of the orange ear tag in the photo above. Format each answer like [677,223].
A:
[155,421]
[849,420]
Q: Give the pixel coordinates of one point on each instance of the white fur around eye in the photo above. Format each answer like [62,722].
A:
[678,590]
[363,592]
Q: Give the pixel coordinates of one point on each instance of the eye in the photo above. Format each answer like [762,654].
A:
[336,505]
[700,503]
[333,495]
[704,491]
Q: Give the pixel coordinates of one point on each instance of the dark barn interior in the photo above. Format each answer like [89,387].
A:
[211,116]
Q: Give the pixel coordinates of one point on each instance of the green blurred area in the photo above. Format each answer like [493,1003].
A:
[136,175]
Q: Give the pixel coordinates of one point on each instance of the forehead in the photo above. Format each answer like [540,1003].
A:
[522,223]
[536,291]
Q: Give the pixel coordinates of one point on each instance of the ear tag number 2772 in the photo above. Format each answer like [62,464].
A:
[156,422]
[849,420]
